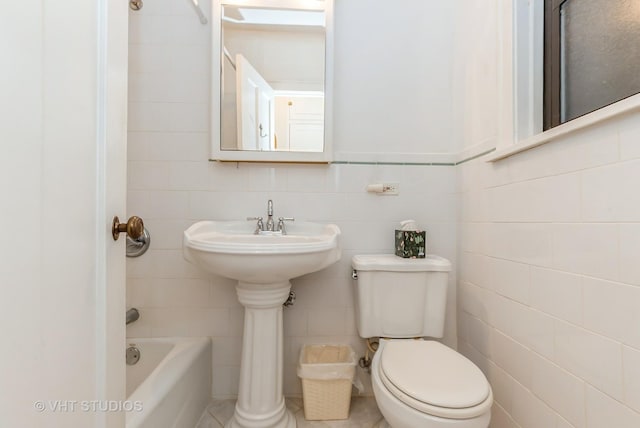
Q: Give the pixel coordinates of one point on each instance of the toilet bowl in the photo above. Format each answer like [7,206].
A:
[425,384]
[417,383]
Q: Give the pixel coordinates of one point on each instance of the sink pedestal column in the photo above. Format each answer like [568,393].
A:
[260,398]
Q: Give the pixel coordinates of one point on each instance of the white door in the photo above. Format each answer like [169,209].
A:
[299,122]
[111,267]
[63,82]
[255,104]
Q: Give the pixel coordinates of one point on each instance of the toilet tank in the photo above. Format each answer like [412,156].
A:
[397,297]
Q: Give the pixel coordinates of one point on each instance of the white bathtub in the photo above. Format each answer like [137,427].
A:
[172,381]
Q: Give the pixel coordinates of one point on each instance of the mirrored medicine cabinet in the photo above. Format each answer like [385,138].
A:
[272,80]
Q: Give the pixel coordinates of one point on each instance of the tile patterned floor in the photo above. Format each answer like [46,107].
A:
[364,414]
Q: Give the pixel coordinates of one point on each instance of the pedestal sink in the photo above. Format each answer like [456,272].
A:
[262,264]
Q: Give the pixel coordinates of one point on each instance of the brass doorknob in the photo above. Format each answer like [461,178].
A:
[134,227]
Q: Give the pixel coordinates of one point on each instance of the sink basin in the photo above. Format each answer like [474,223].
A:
[233,250]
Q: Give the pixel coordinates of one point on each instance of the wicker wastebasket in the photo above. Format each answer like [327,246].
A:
[326,372]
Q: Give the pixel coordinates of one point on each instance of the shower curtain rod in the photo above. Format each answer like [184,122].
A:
[196,7]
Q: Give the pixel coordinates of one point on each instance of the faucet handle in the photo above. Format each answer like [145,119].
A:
[281,221]
[259,225]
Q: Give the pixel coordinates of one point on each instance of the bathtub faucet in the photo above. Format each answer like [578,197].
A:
[132,315]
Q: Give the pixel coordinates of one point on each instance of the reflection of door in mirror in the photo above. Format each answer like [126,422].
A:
[272,57]
[255,108]
[299,121]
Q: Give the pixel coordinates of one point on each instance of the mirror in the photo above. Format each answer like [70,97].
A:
[271,99]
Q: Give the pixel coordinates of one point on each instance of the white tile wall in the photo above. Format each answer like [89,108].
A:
[549,274]
[529,411]
[557,293]
[557,229]
[500,418]
[565,394]
[631,377]
[603,411]
[171,185]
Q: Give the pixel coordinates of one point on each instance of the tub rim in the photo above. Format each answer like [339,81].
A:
[166,374]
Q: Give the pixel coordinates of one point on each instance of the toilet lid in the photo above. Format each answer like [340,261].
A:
[429,373]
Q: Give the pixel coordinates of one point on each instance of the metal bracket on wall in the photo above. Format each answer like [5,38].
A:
[139,246]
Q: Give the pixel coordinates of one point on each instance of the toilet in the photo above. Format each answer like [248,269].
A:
[416,382]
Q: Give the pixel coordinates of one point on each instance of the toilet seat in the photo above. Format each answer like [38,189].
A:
[434,379]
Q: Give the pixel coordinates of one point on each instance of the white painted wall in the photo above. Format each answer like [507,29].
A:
[287,60]
[172,185]
[53,312]
[475,76]
[394,80]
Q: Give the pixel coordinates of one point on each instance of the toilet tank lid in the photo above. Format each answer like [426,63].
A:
[393,263]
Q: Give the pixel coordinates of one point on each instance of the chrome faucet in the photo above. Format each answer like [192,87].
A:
[270,224]
[270,227]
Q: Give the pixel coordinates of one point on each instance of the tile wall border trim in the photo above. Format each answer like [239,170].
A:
[470,158]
